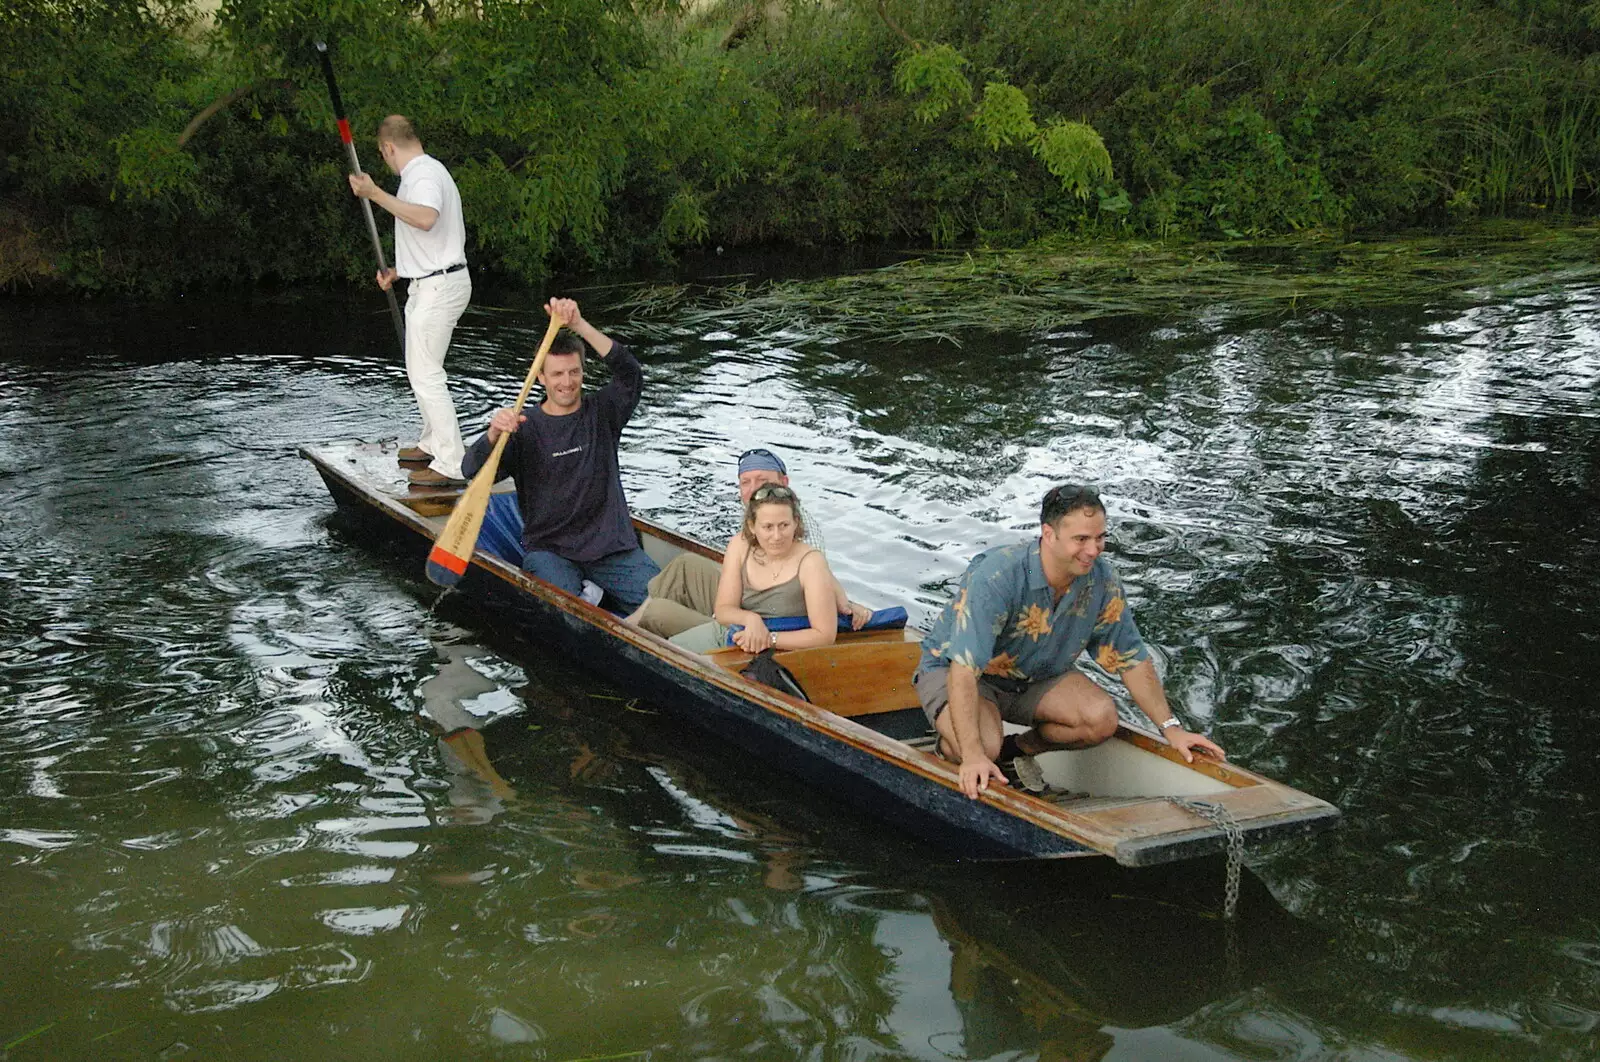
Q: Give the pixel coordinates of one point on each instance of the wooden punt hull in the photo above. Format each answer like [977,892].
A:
[862,690]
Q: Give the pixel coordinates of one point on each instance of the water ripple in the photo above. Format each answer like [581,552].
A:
[236,777]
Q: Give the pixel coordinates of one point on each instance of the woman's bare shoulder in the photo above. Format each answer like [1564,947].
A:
[809,567]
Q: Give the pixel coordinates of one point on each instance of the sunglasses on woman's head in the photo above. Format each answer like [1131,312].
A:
[771,491]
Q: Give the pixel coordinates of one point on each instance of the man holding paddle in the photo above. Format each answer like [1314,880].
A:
[562,454]
[430,238]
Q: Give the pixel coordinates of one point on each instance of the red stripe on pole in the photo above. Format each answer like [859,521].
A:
[344,131]
[448,560]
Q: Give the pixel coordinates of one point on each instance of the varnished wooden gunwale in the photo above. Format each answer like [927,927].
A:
[899,768]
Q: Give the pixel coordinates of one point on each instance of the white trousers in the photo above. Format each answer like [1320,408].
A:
[433,306]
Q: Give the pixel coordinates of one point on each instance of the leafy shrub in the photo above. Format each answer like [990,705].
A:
[146,146]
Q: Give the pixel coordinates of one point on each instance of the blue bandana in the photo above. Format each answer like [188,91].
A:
[754,460]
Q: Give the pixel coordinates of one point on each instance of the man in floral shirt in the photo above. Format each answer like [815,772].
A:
[1007,648]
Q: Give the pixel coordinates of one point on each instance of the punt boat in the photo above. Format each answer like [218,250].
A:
[861,737]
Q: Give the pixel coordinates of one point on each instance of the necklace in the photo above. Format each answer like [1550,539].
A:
[761,558]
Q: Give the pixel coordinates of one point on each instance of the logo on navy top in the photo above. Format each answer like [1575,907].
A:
[564,453]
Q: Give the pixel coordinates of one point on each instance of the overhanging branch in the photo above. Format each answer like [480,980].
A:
[222,102]
[888,19]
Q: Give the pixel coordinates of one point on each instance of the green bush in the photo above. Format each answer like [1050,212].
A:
[145,146]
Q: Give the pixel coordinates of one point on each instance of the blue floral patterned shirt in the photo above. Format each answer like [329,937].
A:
[1004,620]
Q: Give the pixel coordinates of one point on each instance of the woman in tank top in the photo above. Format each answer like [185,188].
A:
[767,571]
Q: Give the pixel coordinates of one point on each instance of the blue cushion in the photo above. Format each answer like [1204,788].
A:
[885,619]
[502,529]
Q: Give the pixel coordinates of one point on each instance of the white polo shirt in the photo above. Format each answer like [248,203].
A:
[426,182]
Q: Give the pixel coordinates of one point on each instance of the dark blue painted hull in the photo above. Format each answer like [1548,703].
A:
[876,774]
[856,773]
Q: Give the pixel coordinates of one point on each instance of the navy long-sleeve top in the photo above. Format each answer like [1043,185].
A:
[569,483]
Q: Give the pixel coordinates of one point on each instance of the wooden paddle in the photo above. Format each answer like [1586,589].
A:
[366,205]
[452,550]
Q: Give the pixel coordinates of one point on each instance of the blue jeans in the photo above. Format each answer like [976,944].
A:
[624,576]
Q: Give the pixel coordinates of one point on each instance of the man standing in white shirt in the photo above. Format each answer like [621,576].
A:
[430,239]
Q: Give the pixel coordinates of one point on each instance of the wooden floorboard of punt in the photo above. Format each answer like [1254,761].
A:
[1154,817]
[1080,803]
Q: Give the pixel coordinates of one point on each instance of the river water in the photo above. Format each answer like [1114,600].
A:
[1364,543]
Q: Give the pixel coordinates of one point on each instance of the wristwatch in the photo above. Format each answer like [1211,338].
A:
[774,636]
[1174,721]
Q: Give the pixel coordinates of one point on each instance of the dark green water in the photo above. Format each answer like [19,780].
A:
[1366,545]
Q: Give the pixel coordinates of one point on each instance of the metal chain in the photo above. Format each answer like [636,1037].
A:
[1233,835]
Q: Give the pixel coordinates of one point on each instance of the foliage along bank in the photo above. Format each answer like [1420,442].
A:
[150,145]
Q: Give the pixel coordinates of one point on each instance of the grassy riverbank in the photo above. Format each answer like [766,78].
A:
[150,146]
[1057,283]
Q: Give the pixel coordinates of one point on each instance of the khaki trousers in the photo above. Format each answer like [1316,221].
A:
[683,596]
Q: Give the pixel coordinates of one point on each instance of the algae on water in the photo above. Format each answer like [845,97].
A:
[1050,285]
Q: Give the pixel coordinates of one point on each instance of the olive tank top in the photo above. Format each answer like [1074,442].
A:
[787,598]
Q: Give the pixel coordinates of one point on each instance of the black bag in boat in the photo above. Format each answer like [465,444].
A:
[766,670]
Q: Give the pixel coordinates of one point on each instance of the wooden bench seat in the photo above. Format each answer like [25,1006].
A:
[862,674]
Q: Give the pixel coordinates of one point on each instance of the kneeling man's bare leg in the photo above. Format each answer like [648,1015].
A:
[1074,713]
[989,730]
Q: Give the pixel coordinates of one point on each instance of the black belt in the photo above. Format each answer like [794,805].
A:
[1014,686]
[442,272]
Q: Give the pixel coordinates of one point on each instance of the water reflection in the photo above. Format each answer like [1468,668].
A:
[251,776]
[458,700]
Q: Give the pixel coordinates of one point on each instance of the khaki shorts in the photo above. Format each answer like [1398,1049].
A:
[1017,699]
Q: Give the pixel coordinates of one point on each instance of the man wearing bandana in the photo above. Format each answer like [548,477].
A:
[684,595]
